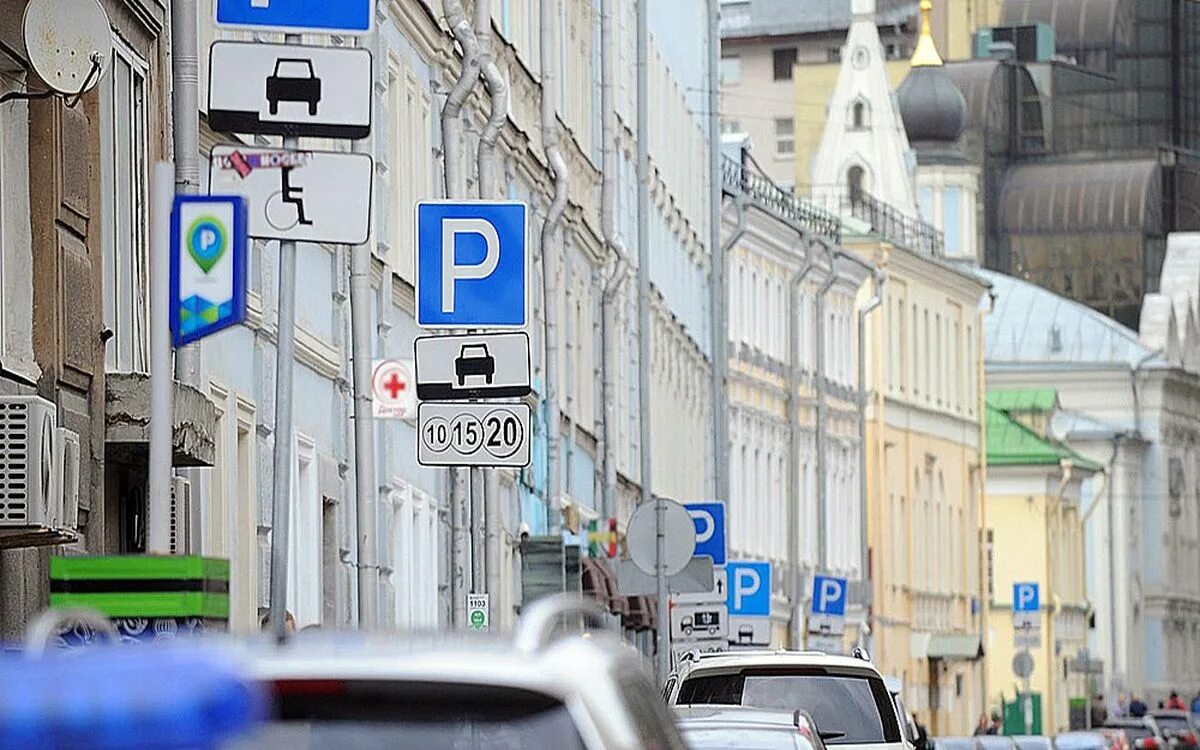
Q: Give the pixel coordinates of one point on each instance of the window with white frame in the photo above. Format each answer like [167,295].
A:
[785,136]
[409,156]
[305,537]
[16,280]
[124,190]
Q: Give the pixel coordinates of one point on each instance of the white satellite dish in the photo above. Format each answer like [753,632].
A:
[69,43]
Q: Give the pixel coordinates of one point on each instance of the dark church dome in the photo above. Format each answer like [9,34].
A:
[932,107]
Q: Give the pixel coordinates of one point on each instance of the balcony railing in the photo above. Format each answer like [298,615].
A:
[748,179]
[883,219]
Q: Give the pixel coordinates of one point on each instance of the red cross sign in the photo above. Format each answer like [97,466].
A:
[392,389]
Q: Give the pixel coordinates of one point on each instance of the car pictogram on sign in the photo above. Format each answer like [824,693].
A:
[293,81]
[474,359]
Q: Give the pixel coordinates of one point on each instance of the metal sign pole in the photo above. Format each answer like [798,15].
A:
[285,360]
[1027,702]
[158,501]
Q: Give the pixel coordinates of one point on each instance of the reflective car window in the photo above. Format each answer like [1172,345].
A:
[740,738]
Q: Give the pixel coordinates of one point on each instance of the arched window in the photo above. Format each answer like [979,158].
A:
[860,117]
[854,181]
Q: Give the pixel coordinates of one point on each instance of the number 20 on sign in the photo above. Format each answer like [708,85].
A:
[473,434]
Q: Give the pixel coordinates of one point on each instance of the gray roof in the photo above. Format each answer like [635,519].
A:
[1031,325]
[752,18]
[1067,425]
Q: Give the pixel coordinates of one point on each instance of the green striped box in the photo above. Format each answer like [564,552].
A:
[143,586]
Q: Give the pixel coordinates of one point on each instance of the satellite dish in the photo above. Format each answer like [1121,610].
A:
[69,43]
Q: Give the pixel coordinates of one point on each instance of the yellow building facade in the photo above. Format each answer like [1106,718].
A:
[924,485]
[1034,533]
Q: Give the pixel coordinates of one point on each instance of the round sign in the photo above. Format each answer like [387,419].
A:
[503,433]
[392,381]
[466,434]
[436,434]
[477,619]
[1022,664]
[642,536]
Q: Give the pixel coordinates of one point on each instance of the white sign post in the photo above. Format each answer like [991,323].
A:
[394,392]
[302,196]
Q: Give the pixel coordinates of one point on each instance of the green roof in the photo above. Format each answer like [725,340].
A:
[1010,443]
[1023,399]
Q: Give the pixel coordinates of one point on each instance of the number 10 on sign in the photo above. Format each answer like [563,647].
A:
[473,434]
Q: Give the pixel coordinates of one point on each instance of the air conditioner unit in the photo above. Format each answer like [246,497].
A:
[182,521]
[66,468]
[29,487]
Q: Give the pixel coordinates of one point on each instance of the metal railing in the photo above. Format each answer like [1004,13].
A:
[748,179]
[883,219]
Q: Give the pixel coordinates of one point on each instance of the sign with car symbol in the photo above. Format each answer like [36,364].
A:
[699,622]
[302,196]
[289,90]
[491,434]
[490,365]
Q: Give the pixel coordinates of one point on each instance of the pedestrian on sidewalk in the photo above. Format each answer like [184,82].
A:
[984,726]
[1175,703]
[1196,703]
[1137,708]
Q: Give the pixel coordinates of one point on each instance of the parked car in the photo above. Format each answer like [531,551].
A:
[995,742]
[544,688]
[953,743]
[1032,742]
[1177,727]
[846,696]
[1101,739]
[730,727]
[1141,733]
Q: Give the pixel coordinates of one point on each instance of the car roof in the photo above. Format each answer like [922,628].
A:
[732,660]
[700,715]
[1169,713]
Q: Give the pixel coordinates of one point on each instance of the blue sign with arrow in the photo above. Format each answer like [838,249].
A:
[329,16]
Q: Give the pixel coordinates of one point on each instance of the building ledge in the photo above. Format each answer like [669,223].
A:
[127,420]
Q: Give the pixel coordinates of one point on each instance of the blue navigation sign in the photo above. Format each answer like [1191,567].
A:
[329,16]
[208,265]
[829,596]
[1026,597]
[710,529]
[749,588]
[472,264]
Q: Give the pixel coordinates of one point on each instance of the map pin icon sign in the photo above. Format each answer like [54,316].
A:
[206,242]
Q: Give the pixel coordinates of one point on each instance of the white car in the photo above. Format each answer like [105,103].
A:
[738,727]
[846,696]
[548,687]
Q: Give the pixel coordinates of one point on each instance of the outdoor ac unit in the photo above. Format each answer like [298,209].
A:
[66,463]
[181,517]
[29,488]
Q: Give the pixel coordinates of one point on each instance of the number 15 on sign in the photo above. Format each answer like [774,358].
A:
[473,434]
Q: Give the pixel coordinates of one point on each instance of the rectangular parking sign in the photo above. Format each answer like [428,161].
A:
[329,16]
[1026,597]
[472,264]
[749,588]
[828,613]
[709,519]
[208,265]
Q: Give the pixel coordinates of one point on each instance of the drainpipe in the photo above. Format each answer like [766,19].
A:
[460,502]
[720,333]
[547,18]
[569,324]
[795,584]
[1067,467]
[1133,384]
[489,185]
[880,280]
[620,258]
[822,490]
[185,133]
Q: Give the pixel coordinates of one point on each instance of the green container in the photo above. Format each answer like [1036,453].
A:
[1014,716]
[143,586]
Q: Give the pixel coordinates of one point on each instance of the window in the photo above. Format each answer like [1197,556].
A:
[730,69]
[860,115]
[124,179]
[785,136]
[304,537]
[783,60]
[16,290]
[409,155]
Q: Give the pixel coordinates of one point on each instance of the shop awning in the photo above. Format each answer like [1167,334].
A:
[954,647]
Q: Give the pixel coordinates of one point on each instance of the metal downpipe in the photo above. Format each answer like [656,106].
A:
[795,299]
[548,12]
[880,279]
[185,136]
[822,489]
[719,323]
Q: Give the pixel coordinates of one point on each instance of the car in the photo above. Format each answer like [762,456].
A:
[1142,733]
[545,687]
[293,81]
[1108,739]
[995,742]
[474,359]
[1032,742]
[845,695]
[735,727]
[953,743]
[1176,727]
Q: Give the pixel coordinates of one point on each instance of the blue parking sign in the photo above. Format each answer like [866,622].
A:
[749,588]
[829,596]
[709,519]
[472,264]
[330,16]
[209,244]
[1026,597]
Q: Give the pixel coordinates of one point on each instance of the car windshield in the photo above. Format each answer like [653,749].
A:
[1173,723]
[1134,731]
[742,738]
[848,709]
[359,715]
[292,69]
